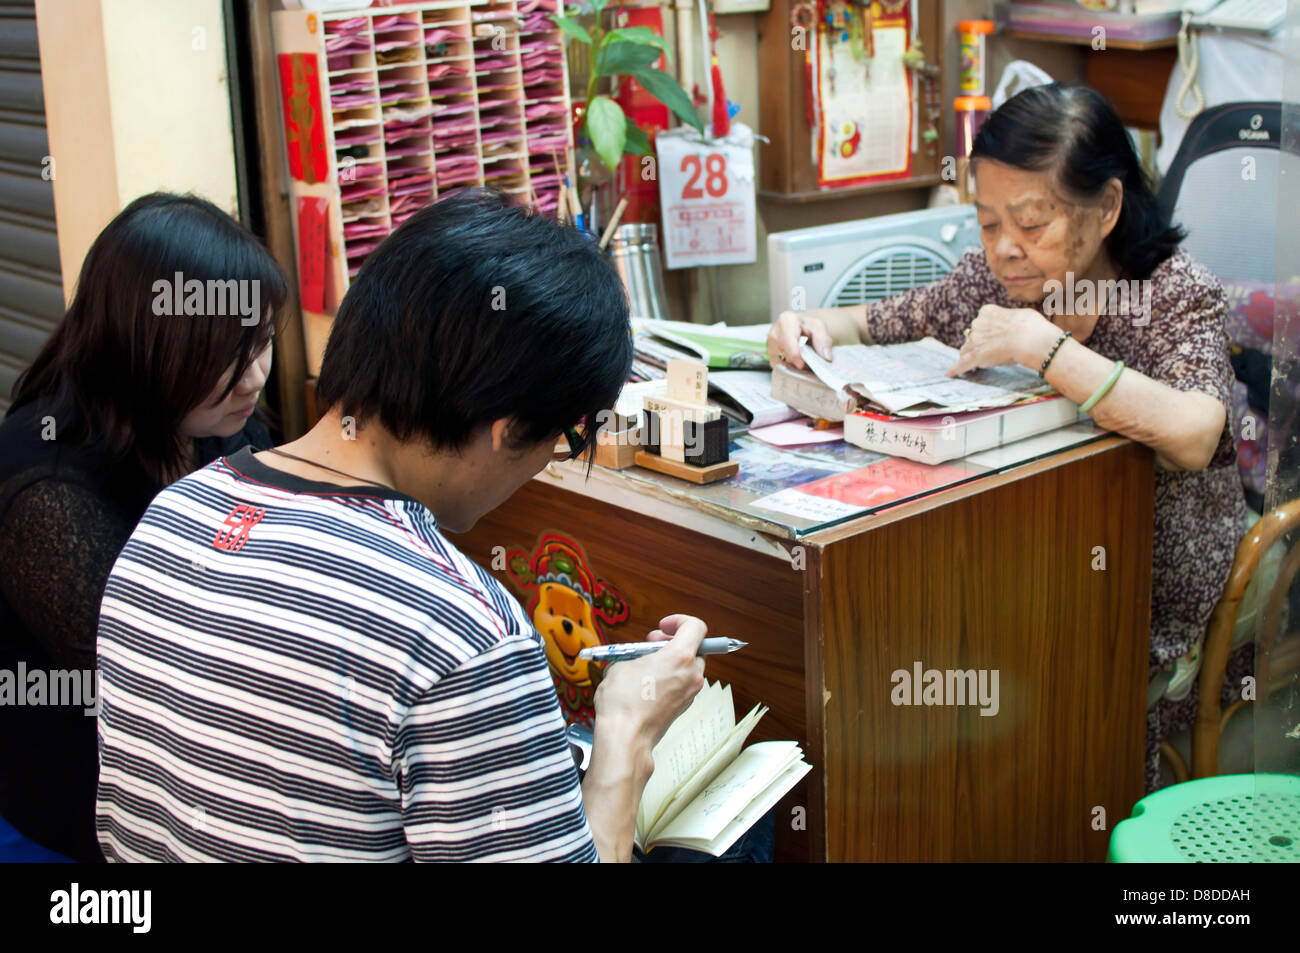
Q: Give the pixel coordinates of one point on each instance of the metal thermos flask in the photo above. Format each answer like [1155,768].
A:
[634,249]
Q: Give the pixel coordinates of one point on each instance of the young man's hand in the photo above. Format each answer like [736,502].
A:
[647,694]
[635,704]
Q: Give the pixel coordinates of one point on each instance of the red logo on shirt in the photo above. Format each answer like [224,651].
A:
[240,521]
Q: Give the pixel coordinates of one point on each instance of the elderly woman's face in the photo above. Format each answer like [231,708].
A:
[1030,234]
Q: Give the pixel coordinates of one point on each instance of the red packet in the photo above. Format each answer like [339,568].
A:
[304,125]
[313,245]
[885,482]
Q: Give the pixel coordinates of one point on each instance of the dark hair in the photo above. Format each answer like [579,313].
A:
[122,371]
[474,310]
[1075,134]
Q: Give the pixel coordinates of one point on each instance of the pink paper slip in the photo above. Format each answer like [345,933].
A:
[438,35]
[796,433]
[439,70]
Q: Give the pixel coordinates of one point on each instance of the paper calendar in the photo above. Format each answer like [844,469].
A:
[706,190]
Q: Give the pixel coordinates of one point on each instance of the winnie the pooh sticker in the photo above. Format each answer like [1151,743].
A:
[571,609]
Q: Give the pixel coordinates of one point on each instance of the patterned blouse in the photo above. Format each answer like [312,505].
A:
[1199,516]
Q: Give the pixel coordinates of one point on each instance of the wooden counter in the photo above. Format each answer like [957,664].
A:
[1002,573]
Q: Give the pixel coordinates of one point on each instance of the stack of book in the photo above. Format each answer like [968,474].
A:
[896,399]
[740,382]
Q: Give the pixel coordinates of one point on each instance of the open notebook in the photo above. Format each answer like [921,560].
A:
[705,791]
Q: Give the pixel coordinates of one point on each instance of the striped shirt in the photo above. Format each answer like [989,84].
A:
[300,671]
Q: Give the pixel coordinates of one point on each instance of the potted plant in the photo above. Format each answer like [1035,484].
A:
[616,54]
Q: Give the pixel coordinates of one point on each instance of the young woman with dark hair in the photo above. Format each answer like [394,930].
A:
[1081,278]
[155,369]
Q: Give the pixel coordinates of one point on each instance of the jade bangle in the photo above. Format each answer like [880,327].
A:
[1101,392]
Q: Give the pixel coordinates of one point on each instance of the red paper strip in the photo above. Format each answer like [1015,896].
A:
[313,244]
[304,127]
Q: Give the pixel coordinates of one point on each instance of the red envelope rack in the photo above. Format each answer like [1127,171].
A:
[386,108]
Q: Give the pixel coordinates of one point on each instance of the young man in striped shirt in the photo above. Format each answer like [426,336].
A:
[297,665]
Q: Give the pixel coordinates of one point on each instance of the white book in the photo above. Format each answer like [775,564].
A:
[806,393]
[705,791]
[937,438]
[909,379]
[751,392]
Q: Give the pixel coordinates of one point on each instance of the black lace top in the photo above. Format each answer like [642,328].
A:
[65,514]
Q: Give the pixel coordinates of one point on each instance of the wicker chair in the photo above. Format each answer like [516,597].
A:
[1210,717]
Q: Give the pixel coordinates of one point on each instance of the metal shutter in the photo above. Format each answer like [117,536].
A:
[31,288]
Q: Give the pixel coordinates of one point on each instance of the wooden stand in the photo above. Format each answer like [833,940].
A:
[684,471]
[685,437]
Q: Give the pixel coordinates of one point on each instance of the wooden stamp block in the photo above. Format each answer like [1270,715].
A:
[698,444]
[617,450]
[706,444]
[650,434]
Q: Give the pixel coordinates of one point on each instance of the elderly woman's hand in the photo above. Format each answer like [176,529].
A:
[783,339]
[1000,336]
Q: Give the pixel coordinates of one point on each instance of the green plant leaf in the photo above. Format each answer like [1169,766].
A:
[642,34]
[636,141]
[665,89]
[607,128]
[573,28]
[598,6]
[623,56]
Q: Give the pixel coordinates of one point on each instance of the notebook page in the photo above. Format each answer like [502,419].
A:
[689,740]
[706,772]
[731,792]
[756,809]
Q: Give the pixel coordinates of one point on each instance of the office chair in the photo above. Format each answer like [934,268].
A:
[1222,187]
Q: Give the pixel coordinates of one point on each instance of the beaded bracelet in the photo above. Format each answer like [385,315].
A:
[1042,371]
[1101,392]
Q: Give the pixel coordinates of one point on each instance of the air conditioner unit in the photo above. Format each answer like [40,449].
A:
[838,265]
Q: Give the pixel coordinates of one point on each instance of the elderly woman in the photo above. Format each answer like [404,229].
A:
[1062,199]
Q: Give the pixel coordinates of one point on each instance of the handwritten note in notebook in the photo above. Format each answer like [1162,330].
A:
[762,772]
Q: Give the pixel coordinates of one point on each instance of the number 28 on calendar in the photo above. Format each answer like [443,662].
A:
[707,195]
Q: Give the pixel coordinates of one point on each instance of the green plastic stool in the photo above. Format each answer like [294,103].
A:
[1236,817]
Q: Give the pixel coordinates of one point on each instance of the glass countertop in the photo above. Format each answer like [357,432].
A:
[793,491]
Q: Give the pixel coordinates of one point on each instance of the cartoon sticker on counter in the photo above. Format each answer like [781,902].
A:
[571,609]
